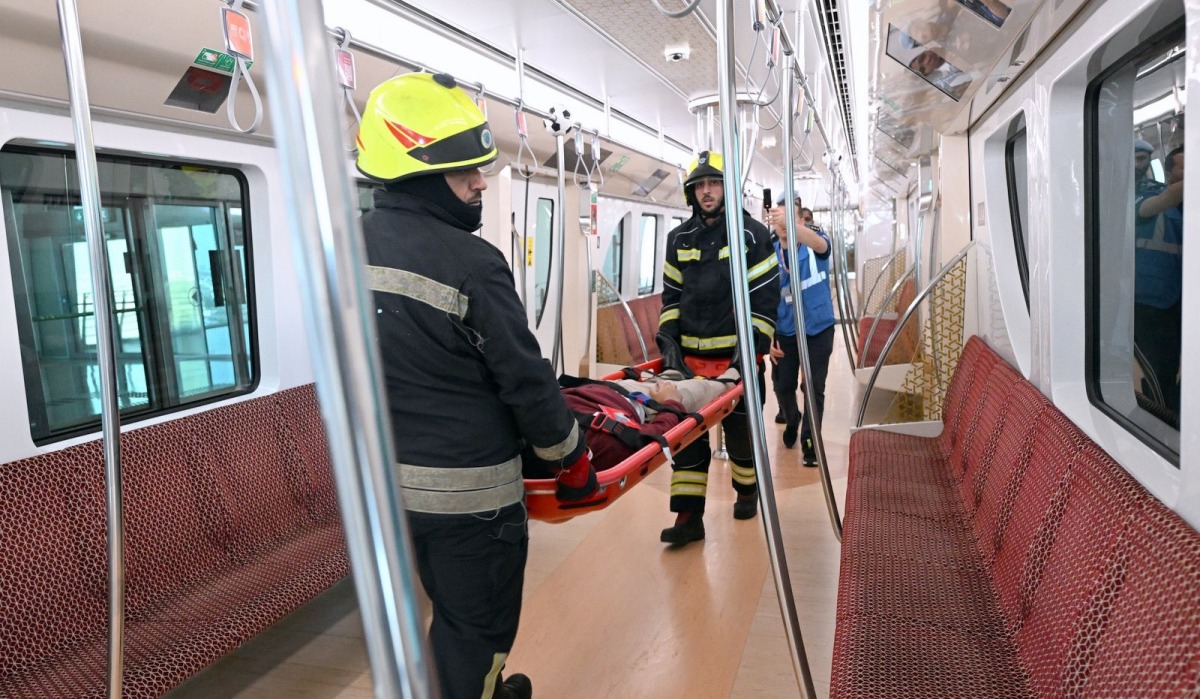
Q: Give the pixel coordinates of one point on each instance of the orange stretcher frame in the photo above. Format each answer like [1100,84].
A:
[539,492]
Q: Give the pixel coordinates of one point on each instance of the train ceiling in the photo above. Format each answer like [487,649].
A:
[937,65]
[602,48]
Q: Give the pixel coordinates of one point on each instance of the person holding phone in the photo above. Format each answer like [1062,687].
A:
[813,265]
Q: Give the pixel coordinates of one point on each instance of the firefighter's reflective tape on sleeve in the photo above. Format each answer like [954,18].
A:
[743,474]
[453,491]
[690,255]
[668,316]
[709,343]
[670,272]
[557,452]
[418,288]
[763,327]
[762,268]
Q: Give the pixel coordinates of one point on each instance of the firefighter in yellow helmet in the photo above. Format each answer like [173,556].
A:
[467,385]
[697,319]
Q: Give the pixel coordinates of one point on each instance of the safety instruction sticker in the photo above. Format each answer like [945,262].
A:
[217,60]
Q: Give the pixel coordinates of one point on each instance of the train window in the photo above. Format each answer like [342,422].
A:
[1135,241]
[1016,158]
[543,250]
[179,268]
[648,249]
[613,260]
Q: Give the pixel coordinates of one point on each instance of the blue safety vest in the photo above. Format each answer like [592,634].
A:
[1158,258]
[814,288]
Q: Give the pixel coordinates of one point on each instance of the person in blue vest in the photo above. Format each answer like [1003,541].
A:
[813,265]
[1158,280]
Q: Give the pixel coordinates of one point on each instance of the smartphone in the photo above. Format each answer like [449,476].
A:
[767,201]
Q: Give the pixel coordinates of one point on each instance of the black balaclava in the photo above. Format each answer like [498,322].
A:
[435,190]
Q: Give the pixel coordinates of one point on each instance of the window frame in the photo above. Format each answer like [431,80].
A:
[616,251]
[152,337]
[1016,130]
[1174,33]
[541,303]
[655,272]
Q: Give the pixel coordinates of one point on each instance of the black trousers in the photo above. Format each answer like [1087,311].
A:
[689,477]
[786,374]
[1158,334]
[473,569]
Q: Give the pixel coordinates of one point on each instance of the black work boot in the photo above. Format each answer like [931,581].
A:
[792,412]
[746,506]
[516,686]
[810,452]
[688,527]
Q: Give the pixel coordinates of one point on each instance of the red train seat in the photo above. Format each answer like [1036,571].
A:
[1009,557]
[227,526]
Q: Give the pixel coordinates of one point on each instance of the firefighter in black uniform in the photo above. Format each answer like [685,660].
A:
[466,382]
[698,319]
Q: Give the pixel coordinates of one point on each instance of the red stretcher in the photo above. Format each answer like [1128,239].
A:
[539,492]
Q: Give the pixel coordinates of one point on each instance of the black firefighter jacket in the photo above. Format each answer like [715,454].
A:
[698,296]
[466,381]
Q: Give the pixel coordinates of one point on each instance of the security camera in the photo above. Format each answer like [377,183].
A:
[675,54]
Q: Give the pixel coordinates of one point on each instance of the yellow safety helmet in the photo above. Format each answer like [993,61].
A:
[706,164]
[419,124]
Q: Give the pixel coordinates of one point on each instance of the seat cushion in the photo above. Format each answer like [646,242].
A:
[884,658]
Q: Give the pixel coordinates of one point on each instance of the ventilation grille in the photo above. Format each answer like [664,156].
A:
[832,27]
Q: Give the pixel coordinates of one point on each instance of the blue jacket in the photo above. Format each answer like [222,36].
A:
[1158,259]
[818,302]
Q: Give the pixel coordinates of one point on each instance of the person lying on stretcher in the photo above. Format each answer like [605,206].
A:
[620,417]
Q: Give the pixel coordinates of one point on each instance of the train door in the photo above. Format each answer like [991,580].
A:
[535,211]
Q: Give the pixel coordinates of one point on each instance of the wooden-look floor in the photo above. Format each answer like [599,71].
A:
[700,621]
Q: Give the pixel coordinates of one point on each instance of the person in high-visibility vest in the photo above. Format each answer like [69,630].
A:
[698,319]
[812,269]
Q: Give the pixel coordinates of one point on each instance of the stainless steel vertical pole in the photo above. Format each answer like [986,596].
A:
[734,225]
[845,249]
[849,339]
[556,356]
[793,253]
[341,328]
[919,238]
[842,279]
[110,417]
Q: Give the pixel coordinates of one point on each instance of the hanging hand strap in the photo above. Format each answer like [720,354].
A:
[240,53]
[346,78]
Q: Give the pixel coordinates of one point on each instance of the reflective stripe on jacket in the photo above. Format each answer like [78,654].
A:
[465,379]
